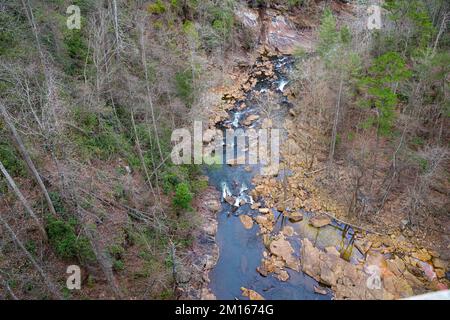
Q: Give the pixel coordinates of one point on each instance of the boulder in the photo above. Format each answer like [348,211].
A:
[294,216]
[331,268]
[255,206]
[310,259]
[210,229]
[440,273]
[413,280]
[250,119]
[396,266]
[251,294]
[282,275]
[213,205]
[230,200]
[266,267]
[288,231]
[332,250]
[422,255]
[265,222]
[247,221]
[439,263]
[320,290]
[283,249]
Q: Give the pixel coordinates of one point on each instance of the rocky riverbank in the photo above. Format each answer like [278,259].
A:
[205,252]
[402,268]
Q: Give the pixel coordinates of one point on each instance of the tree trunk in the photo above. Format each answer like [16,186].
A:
[141,156]
[22,199]
[149,97]
[27,158]
[52,95]
[116,27]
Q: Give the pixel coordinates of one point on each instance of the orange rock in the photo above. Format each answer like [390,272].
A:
[251,294]
[246,221]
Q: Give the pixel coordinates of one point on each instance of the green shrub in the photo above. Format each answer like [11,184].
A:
[118,265]
[184,87]
[13,164]
[417,141]
[328,34]
[385,70]
[156,8]
[169,181]
[183,196]
[423,164]
[30,245]
[86,6]
[223,20]
[84,250]
[7,37]
[98,139]
[116,250]
[62,237]
[199,185]
[166,294]
[77,50]
[58,203]
[294,3]
[11,160]
[172,176]
[416,16]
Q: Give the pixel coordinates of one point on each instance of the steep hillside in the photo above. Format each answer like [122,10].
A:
[87,117]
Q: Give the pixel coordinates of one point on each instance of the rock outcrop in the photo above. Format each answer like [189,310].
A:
[376,279]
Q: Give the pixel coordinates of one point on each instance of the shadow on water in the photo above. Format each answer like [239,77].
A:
[241,250]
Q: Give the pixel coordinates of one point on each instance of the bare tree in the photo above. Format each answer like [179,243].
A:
[149,96]
[22,199]
[116,28]
[52,95]
[27,158]
[141,157]
[419,192]
[336,122]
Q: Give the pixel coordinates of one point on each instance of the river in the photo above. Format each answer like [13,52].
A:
[241,250]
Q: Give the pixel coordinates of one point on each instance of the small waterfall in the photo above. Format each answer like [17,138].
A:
[282,84]
[236,119]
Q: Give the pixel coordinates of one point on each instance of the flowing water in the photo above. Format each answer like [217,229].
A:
[241,250]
